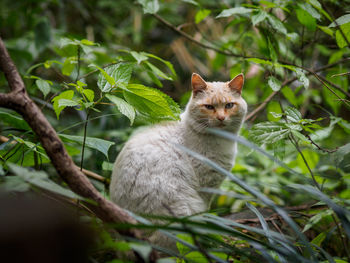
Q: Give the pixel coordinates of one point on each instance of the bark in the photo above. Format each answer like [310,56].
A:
[17,99]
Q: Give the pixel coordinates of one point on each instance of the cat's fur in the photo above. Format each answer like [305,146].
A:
[152,175]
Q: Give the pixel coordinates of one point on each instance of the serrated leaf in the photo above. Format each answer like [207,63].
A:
[259,17]
[149,6]
[293,115]
[43,86]
[91,142]
[67,103]
[69,94]
[268,132]
[274,83]
[118,75]
[90,95]
[340,21]
[277,24]
[232,11]
[148,100]
[201,14]
[124,107]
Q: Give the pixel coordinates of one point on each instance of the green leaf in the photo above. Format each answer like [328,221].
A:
[274,83]
[327,30]
[312,159]
[138,56]
[232,11]
[302,77]
[191,2]
[147,100]
[201,14]
[268,132]
[196,257]
[259,17]
[181,247]
[340,21]
[149,6]
[290,96]
[124,107]
[341,153]
[40,179]
[274,111]
[167,63]
[90,95]
[87,42]
[67,102]
[306,19]
[91,142]
[341,42]
[68,66]
[118,75]
[277,24]
[13,120]
[310,10]
[157,71]
[260,61]
[293,115]
[319,239]
[105,82]
[68,95]
[317,218]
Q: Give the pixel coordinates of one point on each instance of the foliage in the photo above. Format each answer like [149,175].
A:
[101,69]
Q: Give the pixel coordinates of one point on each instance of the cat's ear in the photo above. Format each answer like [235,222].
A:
[236,84]
[198,84]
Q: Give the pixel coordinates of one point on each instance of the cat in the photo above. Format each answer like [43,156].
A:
[151,175]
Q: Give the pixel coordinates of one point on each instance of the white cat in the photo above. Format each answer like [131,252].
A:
[153,176]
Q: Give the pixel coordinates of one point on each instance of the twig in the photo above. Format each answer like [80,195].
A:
[319,147]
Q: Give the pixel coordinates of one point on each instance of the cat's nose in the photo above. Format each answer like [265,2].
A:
[220,118]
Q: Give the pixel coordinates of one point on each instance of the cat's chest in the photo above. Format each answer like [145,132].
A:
[220,151]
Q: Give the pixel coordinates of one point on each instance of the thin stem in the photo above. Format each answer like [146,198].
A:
[78,66]
[83,148]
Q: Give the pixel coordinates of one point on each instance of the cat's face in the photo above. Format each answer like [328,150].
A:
[217,104]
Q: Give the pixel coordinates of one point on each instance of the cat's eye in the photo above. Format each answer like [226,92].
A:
[209,107]
[229,105]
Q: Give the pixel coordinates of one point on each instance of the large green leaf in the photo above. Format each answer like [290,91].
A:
[259,17]
[120,73]
[341,41]
[124,107]
[201,14]
[268,132]
[91,142]
[13,120]
[150,101]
